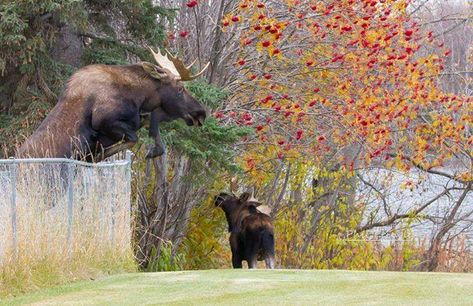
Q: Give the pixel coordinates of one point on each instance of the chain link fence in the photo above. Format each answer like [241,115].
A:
[61,207]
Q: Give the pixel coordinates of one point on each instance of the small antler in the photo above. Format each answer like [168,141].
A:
[252,198]
[185,72]
[264,209]
[233,184]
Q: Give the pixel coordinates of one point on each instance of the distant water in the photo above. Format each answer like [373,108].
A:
[405,192]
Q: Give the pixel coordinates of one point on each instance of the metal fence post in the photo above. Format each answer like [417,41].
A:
[113,203]
[128,157]
[13,173]
[70,204]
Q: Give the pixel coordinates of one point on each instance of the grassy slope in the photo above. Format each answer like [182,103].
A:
[246,287]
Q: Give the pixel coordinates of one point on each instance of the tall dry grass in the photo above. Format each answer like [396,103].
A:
[56,242]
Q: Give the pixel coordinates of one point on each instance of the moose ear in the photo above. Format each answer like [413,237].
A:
[156,72]
[218,200]
[245,196]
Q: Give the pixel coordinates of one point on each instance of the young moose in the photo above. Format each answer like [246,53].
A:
[251,231]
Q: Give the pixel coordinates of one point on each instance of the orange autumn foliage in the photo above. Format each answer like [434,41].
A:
[320,78]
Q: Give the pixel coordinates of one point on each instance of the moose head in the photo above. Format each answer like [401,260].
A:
[175,100]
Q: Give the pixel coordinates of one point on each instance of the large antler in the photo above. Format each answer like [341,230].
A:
[164,62]
[185,72]
[176,66]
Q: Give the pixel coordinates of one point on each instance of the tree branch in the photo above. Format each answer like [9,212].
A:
[432,171]
[397,217]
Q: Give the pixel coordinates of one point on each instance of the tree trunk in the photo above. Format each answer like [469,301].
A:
[68,47]
[433,253]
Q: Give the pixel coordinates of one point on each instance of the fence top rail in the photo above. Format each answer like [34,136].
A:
[105,164]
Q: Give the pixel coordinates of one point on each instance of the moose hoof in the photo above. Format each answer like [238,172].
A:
[154,152]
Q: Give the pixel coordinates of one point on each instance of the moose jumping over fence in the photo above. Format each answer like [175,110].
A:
[100,109]
[251,231]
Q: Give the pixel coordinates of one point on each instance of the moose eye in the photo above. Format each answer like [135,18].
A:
[181,90]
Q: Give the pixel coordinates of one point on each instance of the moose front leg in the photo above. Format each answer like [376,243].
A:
[158,148]
[120,130]
[114,136]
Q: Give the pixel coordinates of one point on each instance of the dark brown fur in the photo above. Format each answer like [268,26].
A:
[251,232]
[101,106]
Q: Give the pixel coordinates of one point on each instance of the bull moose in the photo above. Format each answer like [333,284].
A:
[251,231]
[100,109]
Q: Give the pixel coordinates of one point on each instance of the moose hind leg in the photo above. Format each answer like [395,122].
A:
[236,261]
[252,262]
[269,262]
[252,251]
[236,248]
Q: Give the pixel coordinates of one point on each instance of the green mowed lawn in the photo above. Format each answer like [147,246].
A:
[261,287]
